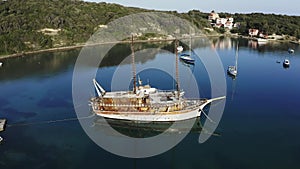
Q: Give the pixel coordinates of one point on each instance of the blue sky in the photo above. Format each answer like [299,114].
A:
[289,7]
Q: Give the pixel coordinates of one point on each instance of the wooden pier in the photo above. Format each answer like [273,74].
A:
[2,124]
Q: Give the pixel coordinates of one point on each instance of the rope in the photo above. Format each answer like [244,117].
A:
[206,116]
[48,121]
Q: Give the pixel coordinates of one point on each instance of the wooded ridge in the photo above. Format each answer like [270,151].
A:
[41,24]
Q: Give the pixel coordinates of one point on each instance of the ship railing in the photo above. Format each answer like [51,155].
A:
[157,105]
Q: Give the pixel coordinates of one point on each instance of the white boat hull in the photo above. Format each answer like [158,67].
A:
[262,41]
[286,63]
[156,117]
[232,70]
[187,59]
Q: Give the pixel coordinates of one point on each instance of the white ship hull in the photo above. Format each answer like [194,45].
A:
[151,117]
[158,116]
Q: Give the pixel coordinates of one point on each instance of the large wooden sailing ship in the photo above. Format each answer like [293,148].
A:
[145,103]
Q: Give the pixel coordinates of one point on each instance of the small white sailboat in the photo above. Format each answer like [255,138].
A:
[286,63]
[187,57]
[232,70]
[1,64]
[1,139]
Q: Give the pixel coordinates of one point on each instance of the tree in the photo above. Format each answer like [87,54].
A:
[297,33]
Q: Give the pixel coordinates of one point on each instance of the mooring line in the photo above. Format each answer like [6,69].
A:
[49,121]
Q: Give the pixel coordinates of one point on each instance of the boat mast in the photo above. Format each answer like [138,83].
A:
[236,55]
[177,72]
[133,66]
[190,43]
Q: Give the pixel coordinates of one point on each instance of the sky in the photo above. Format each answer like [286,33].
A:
[288,7]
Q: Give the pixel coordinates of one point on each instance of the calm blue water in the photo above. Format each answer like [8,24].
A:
[259,127]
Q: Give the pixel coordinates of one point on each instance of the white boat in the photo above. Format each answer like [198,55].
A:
[1,64]
[232,70]
[179,49]
[187,58]
[145,103]
[286,63]
[262,40]
[290,50]
[1,139]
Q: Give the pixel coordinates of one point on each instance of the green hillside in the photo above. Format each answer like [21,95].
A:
[269,23]
[40,24]
[21,22]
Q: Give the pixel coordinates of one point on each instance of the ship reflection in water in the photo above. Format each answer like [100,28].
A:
[145,129]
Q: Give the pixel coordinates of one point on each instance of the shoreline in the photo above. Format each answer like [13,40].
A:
[65,48]
[40,51]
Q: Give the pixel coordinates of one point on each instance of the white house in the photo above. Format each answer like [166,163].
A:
[213,16]
[228,25]
[230,19]
[253,32]
[226,22]
[219,22]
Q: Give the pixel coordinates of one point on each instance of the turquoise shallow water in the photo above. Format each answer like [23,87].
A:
[259,127]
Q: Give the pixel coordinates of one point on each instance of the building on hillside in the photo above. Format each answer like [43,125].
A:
[225,22]
[228,25]
[218,22]
[213,16]
[263,35]
[221,21]
[253,32]
[218,25]
[230,19]
[237,25]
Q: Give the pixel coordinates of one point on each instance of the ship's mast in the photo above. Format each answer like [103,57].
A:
[177,72]
[133,66]
[236,55]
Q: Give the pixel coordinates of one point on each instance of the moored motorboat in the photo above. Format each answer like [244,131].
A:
[187,58]
[286,63]
[290,50]
[262,40]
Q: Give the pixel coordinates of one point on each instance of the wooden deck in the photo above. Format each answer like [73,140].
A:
[2,124]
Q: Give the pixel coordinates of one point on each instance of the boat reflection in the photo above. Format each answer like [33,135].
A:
[144,130]
[187,64]
[231,76]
